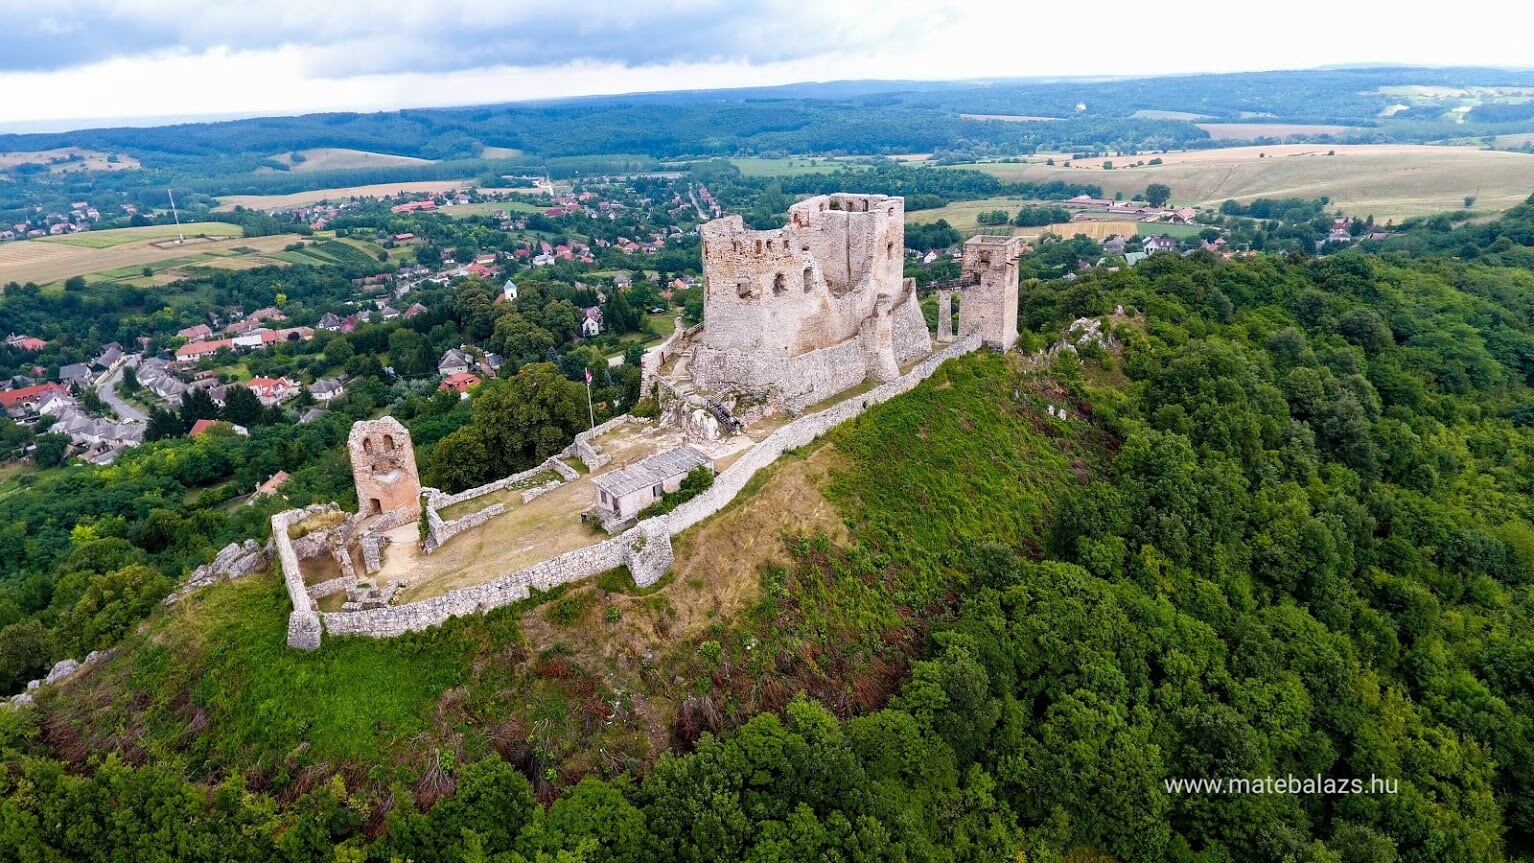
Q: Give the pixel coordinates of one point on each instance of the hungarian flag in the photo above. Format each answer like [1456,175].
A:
[588,377]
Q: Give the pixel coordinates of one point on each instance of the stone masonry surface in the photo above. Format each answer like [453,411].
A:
[810,309]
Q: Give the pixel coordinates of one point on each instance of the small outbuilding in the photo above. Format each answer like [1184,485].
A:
[622,493]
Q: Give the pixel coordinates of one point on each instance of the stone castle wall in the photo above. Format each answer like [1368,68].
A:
[304,629]
[775,301]
[645,548]
[729,482]
[439,531]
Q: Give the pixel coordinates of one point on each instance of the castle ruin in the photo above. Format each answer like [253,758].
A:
[383,467]
[797,314]
[802,312]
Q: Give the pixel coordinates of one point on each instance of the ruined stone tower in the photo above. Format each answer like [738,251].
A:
[383,466]
[989,275]
[802,312]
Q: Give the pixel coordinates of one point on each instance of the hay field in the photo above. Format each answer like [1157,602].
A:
[1389,181]
[1248,131]
[377,190]
[43,262]
[500,153]
[340,158]
[964,215]
[122,236]
[1009,118]
[91,160]
[1096,230]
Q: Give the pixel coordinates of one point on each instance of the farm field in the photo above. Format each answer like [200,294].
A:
[46,262]
[1097,230]
[122,236]
[340,158]
[1009,118]
[964,216]
[90,160]
[755,167]
[298,199]
[1248,131]
[461,211]
[1388,181]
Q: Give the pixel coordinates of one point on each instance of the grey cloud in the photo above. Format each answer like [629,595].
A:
[349,37]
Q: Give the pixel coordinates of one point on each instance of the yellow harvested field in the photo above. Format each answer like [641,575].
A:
[1388,181]
[90,160]
[1248,131]
[339,158]
[121,236]
[377,190]
[1095,230]
[42,263]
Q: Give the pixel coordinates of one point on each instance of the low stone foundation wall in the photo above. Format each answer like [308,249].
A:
[438,500]
[442,531]
[645,548]
[583,449]
[304,630]
[646,553]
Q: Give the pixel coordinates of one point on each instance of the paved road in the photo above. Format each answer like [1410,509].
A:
[107,389]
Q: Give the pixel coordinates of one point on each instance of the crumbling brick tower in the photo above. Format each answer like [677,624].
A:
[808,310]
[383,466]
[989,275]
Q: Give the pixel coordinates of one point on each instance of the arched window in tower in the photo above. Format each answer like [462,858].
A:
[367,446]
[809,279]
[779,284]
[388,443]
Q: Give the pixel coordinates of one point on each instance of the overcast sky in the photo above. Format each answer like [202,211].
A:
[67,61]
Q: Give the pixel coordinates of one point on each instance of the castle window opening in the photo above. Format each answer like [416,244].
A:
[388,443]
[809,279]
[779,284]
[367,446]
[374,506]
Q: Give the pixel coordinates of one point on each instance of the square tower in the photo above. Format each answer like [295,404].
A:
[989,274]
[383,466]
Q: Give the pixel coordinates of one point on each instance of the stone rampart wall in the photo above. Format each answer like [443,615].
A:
[801,431]
[645,548]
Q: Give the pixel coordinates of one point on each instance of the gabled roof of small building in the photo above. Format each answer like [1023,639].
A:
[655,469]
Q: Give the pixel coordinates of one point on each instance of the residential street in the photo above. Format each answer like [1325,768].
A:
[107,389]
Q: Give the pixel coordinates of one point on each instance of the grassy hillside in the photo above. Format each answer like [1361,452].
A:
[1284,532]
[211,686]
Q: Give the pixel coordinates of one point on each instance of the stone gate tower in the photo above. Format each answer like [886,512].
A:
[383,466]
[989,274]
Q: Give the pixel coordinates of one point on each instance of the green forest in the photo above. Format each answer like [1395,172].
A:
[623,134]
[1285,530]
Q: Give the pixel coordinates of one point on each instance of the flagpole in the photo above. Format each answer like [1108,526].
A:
[591,413]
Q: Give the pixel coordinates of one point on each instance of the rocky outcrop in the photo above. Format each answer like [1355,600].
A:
[235,560]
